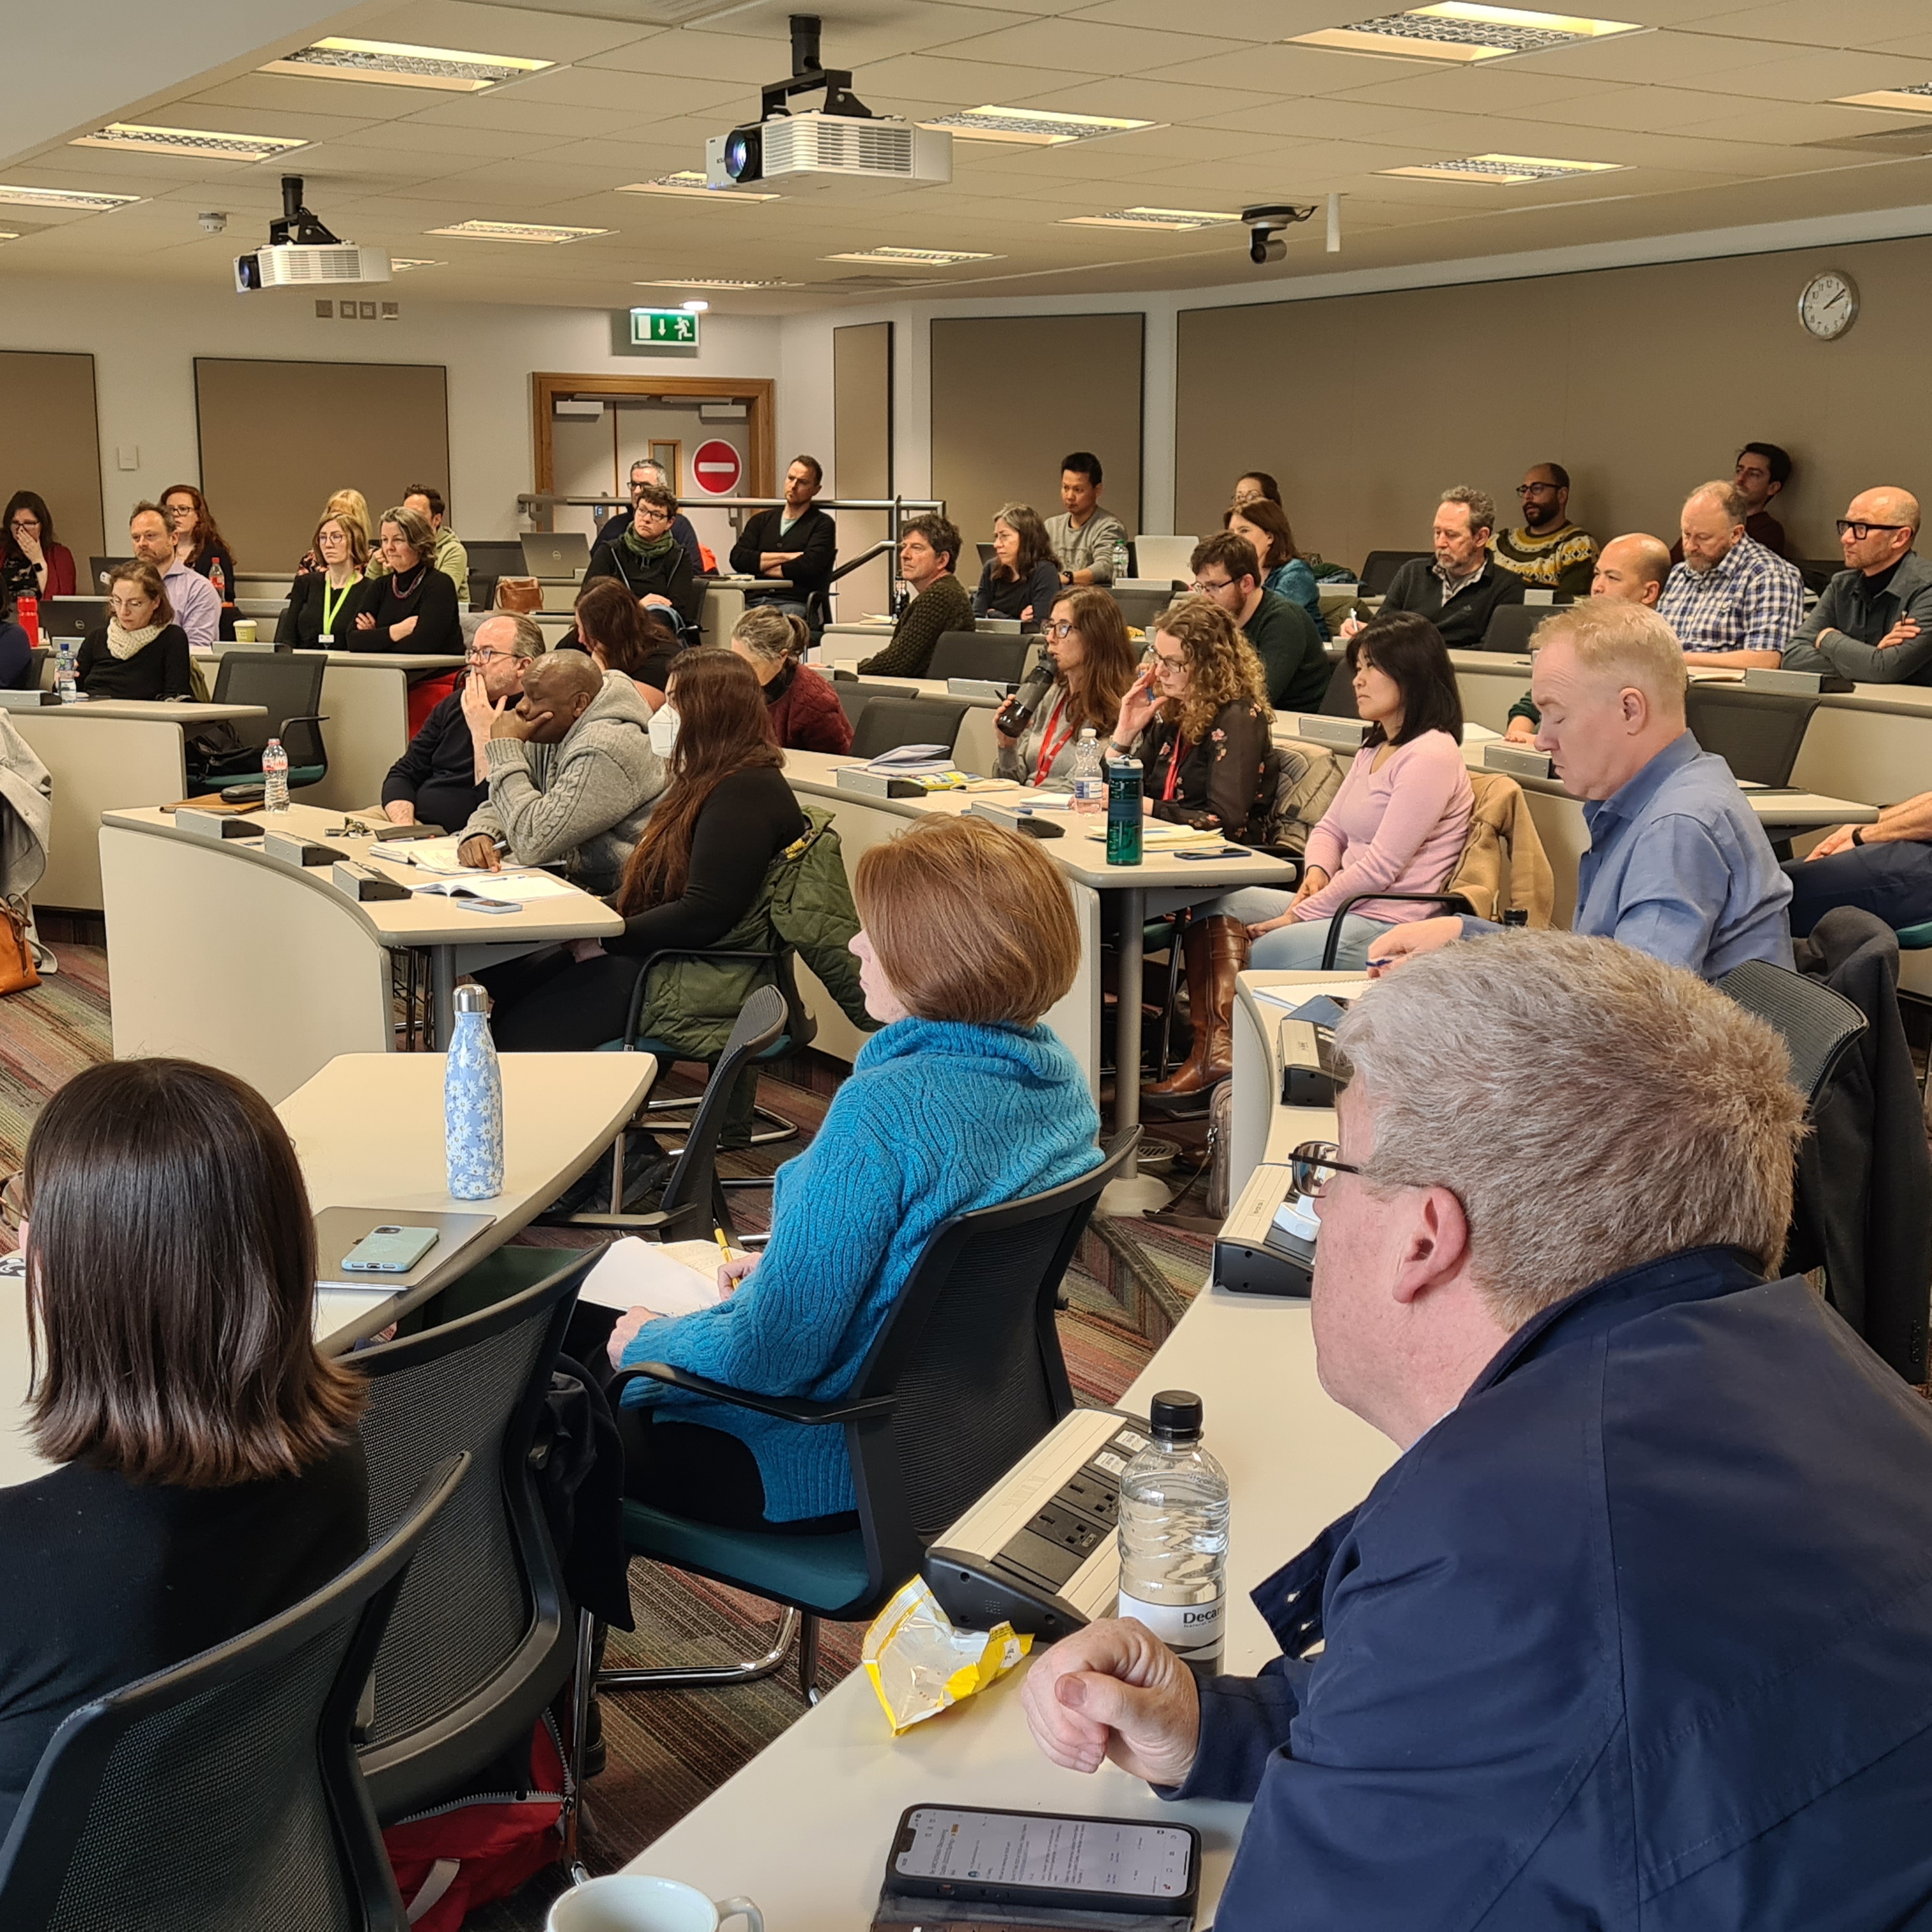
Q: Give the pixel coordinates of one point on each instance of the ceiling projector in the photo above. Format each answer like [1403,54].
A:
[302,253]
[842,144]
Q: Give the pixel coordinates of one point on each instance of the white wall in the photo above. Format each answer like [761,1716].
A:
[145,338]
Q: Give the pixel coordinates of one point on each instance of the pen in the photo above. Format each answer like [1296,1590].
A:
[724,1245]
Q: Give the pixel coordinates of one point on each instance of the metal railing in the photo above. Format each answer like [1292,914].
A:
[539,505]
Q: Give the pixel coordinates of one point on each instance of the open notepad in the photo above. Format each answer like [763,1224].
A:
[668,1278]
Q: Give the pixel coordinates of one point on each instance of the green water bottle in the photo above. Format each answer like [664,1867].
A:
[1123,812]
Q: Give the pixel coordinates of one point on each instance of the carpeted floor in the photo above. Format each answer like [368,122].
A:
[668,1750]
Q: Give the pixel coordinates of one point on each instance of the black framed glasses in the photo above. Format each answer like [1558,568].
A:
[1062,629]
[1314,1164]
[1858,533]
[1537,489]
[1202,587]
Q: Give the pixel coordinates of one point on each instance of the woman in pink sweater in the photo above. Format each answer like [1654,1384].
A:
[1398,822]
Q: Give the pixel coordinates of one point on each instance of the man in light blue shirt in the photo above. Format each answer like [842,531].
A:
[194,600]
[1678,865]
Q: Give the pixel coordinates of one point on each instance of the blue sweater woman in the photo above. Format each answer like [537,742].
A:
[1295,581]
[939,1117]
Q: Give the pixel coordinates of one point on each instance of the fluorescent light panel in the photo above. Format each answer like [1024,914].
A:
[515,231]
[397,64]
[1464,31]
[1033,126]
[197,143]
[63,197]
[1504,170]
[1174,221]
[1916,99]
[693,185]
[402,264]
[714,282]
[925,258]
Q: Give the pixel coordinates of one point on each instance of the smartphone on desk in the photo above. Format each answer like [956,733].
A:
[389,1250]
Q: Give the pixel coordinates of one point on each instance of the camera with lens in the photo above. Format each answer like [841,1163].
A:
[1266,228]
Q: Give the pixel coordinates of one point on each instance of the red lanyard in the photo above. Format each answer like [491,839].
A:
[1173,769]
[1050,746]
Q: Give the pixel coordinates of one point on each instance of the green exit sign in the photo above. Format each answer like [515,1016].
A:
[670,328]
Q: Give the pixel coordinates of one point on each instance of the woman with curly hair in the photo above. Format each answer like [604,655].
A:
[1198,718]
[200,545]
[1021,578]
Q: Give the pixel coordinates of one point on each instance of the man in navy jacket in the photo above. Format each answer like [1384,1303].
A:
[1637,1632]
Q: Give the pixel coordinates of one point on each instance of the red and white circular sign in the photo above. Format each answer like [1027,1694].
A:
[717,467]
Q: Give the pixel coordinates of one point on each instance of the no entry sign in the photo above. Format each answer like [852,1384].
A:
[718,468]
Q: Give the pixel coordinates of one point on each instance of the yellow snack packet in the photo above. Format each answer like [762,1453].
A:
[920,1665]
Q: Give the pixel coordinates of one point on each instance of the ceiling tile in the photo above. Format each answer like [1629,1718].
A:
[1047,46]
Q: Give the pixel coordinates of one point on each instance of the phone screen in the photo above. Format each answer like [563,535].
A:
[1049,1854]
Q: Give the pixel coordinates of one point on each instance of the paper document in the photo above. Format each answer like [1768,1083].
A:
[429,855]
[906,761]
[507,888]
[1298,993]
[669,1278]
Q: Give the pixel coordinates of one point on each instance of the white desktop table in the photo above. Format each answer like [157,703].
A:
[218,951]
[804,1828]
[368,1129]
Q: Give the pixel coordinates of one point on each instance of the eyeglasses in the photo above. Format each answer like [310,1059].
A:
[1060,630]
[1162,662]
[1537,489]
[1858,533]
[1201,586]
[1314,1164]
[477,657]
[20,523]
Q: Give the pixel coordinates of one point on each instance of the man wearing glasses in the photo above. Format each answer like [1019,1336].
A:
[444,774]
[1637,1629]
[1548,552]
[646,469]
[1294,663]
[1873,624]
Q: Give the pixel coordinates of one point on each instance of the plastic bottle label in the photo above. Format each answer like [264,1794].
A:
[1190,1631]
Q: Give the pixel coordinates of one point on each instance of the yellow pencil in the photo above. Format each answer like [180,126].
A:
[724,1245]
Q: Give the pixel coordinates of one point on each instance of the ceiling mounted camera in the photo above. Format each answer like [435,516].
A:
[1267,227]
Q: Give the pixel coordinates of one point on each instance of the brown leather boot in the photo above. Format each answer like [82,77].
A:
[1216,950]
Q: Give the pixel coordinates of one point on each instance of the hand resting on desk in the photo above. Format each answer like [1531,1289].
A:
[1404,941]
[1115,1690]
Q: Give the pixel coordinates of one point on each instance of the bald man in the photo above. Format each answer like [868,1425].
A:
[1730,602]
[1873,624]
[1632,570]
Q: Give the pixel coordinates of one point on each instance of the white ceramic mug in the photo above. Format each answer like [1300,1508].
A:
[629,1902]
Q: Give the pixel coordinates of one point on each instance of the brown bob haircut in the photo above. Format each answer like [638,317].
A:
[171,1282]
[146,579]
[969,922]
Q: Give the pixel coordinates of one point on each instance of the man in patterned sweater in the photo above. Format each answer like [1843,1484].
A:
[1548,552]
[928,556]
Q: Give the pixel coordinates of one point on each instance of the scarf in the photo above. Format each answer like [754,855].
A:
[650,548]
[124,643]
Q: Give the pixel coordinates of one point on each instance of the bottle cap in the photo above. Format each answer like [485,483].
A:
[1516,915]
[1175,1412]
[470,999]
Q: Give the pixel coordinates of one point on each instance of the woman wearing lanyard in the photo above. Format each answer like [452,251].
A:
[320,612]
[1092,662]
[1197,719]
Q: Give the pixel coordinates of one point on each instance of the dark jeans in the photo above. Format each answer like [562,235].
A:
[1892,882]
[703,1473]
[549,1003]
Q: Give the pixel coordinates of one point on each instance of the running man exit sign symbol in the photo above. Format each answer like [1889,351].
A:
[670,327]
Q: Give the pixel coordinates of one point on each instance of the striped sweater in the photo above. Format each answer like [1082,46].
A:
[1564,559]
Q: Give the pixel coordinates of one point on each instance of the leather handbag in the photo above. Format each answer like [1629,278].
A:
[18,973]
[519,595]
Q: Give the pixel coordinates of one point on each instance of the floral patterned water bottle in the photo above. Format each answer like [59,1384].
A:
[472,1102]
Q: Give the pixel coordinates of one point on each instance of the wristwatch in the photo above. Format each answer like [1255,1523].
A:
[1857,834]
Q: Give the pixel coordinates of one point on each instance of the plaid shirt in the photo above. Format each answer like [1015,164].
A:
[1752,601]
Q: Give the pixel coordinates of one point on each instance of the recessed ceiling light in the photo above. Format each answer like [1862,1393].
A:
[926,258]
[402,264]
[196,142]
[1463,30]
[10,234]
[1033,126]
[688,181]
[515,231]
[1504,169]
[397,64]
[63,197]
[714,282]
[1916,99]
[1177,221]
[697,308]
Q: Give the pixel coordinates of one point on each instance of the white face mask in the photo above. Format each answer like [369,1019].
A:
[664,730]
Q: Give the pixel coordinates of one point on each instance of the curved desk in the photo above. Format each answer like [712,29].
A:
[218,953]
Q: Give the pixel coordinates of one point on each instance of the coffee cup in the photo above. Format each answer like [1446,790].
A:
[631,1902]
[244,630]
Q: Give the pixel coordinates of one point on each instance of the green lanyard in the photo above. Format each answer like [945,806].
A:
[330,612]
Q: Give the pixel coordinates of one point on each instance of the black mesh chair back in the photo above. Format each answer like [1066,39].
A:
[688,1195]
[886,723]
[1511,626]
[1758,733]
[29,679]
[1141,608]
[1338,700]
[855,694]
[481,1638]
[967,654]
[1817,571]
[224,1792]
[1379,567]
[289,684]
[1819,1025]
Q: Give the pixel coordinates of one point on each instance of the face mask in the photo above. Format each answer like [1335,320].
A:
[664,730]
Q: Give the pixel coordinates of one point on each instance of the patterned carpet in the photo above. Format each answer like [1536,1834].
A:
[668,1750]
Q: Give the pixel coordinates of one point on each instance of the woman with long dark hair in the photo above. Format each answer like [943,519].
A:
[622,635]
[1021,578]
[200,545]
[33,561]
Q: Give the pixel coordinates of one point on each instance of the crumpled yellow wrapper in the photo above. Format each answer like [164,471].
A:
[920,1665]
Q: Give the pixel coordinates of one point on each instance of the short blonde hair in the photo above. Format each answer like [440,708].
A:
[969,922]
[415,527]
[1629,642]
[357,505]
[1662,1116]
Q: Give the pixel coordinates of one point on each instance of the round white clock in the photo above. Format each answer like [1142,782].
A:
[1829,305]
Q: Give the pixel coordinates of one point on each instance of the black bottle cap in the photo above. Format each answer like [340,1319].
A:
[1516,915]
[1176,1412]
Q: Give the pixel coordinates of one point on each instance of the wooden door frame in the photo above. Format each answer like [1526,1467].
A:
[758,393]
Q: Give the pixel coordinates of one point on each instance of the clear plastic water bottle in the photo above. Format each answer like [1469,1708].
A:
[274,777]
[65,681]
[1089,781]
[1123,565]
[1174,1536]
[1123,812]
[472,1102]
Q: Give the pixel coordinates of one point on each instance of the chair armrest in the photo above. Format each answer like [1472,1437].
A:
[787,1409]
[1449,901]
[650,959]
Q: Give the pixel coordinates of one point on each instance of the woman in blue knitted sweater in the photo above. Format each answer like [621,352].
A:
[964,1100]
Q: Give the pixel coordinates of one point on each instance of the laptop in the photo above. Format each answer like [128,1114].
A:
[73,617]
[100,566]
[561,555]
[986,554]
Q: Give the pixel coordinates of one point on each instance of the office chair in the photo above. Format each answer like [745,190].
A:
[483,1635]
[967,654]
[886,723]
[224,1791]
[1758,733]
[1379,567]
[1338,700]
[964,1377]
[1510,626]
[288,684]
[30,679]
[1817,571]
[490,559]
[855,694]
[1819,1026]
